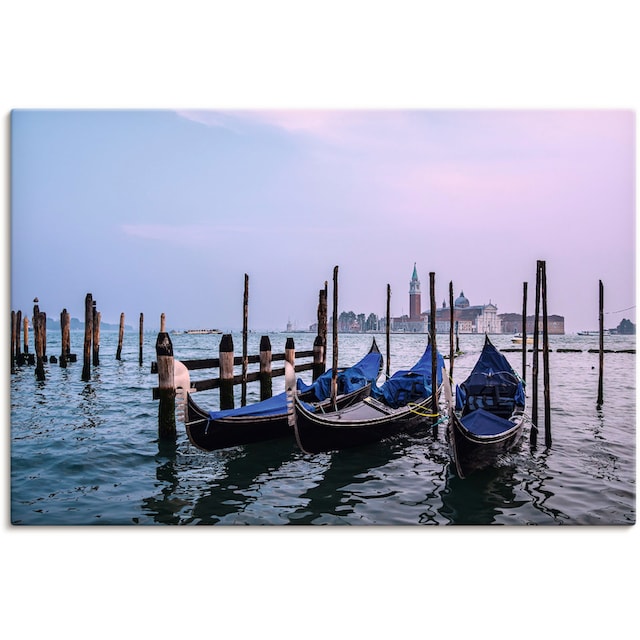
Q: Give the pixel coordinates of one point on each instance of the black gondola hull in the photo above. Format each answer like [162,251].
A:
[369,421]
[472,453]
[210,435]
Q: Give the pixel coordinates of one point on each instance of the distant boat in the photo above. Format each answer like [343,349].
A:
[202,331]
[517,339]
[606,332]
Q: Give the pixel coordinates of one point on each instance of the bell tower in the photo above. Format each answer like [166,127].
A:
[415,305]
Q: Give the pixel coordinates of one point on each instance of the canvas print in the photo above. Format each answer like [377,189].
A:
[322,317]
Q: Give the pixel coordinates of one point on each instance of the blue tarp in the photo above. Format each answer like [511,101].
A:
[367,370]
[350,379]
[491,377]
[483,423]
[410,385]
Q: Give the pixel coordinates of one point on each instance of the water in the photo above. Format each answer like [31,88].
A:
[87,453]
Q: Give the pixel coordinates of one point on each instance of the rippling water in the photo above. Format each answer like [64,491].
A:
[87,453]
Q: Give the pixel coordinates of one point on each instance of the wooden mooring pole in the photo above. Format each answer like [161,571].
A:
[96,335]
[39,337]
[141,337]
[245,333]
[65,344]
[120,338]
[320,342]
[533,436]
[266,383]
[14,340]
[18,354]
[334,372]
[545,356]
[434,353]
[600,399]
[26,335]
[524,331]
[226,372]
[166,388]
[388,330]
[451,345]
[88,332]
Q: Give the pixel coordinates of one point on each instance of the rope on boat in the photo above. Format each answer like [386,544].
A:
[412,407]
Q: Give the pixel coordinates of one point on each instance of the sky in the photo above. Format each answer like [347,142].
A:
[165,211]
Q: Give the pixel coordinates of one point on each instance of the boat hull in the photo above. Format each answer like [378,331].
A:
[471,452]
[367,422]
[213,434]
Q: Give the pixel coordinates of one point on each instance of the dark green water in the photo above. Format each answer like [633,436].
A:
[88,454]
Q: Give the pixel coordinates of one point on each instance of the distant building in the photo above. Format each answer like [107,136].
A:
[416,321]
[470,319]
[512,323]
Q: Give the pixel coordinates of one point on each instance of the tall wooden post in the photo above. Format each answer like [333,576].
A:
[545,356]
[141,337]
[601,356]
[320,342]
[65,330]
[96,335]
[166,388]
[226,372]
[88,333]
[18,354]
[120,337]
[524,331]
[388,330]
[451,321]
[245,333]
[14,340]
[266,385]
[39,340]
[434,358]
[334,373]
[26,335]
[533,436]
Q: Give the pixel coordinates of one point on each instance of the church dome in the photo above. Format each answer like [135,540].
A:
[461,302]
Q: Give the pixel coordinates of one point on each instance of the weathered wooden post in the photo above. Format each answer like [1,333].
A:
[96,335]
[43,329]
[163,323]
[320,342]
[266,385]
[39,336]
[600,400]
[166,388]
[334,371]
[26,335]
[88,332]
[14,340]
[545,356]
[533,436]
[290,351]
[226,372]
[245,333]
[388,330]
[318,357]
[141,337]
[434,353]
[19,355]
[65,330]
[120,338]
[524,331]
[451,320]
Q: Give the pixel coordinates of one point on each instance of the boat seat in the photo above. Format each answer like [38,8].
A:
[490,400]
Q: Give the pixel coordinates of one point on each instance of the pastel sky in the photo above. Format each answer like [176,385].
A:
[165,211]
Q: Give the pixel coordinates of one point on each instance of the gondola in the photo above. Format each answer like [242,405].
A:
[266,420]
[401,404]
[489,413]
